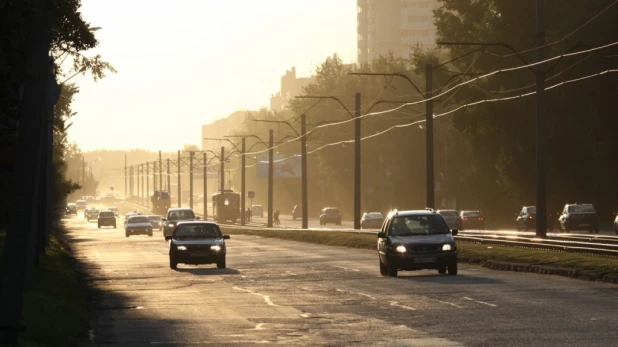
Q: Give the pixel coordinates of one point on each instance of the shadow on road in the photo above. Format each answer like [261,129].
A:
[445,279]
[201,271]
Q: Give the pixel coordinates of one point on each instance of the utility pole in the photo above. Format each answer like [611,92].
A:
[83,173]
[429,134]
[357,162]
[243,212]
[125,175]
[179,167]
[222,180]
[142,195]
[160,172]
[131,180]
[303,153]
[139,191]
[169,188]
[270,178]
[19,235]
[205,188]
[154,177]
[147,184]
[541,125]
[191,179]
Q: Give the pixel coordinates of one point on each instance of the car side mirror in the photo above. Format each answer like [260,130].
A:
[226,237]
[164,219]
[381,235]
[197,218]
[454,232]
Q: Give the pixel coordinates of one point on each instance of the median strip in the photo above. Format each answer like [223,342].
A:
[574,265]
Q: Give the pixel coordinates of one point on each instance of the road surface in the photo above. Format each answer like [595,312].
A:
[276,291]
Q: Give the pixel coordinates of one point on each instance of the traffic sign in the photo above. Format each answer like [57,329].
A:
[251,194]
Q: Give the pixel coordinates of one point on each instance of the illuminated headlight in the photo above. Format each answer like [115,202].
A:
[171,224]
[401,249]
[181,248]
[447,247]
[215,248]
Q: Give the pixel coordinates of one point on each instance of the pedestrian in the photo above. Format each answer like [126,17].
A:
[276,215]
[248,214]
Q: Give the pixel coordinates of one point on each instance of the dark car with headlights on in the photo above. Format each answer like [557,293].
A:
[372,220]
[106,218]
[197,243]
[174,216]
[137,225]
[416,240]
[71,209]
[156,222]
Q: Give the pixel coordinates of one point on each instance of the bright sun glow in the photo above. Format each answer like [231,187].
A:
[186,63]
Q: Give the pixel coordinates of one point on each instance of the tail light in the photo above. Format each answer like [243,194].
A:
[480,218]
[465,218]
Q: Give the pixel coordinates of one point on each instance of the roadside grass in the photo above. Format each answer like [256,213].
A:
[55,311]
[470,253]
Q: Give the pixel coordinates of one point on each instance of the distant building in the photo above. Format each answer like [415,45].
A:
[291,86]
[223,127]
[385,26]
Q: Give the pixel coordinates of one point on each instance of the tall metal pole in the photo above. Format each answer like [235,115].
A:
[270,178]
[243,193]
[222,180]
[429,135]
[125,175]
[179,167]
[357,162]
[303,153]
[83,173]
[169,188]
[147,184]
[541,126]
[160,172]
[191,154]
[142,174]
[154,176]
[205,188]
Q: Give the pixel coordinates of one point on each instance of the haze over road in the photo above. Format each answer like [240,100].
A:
[277,291]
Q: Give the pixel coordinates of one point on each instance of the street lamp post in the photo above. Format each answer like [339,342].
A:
[270,178]
[357,150]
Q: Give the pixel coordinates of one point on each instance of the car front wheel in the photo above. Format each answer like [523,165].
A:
[452,268]
[221,263]
[173,263]
[391,268]
[383,269]
[442,270]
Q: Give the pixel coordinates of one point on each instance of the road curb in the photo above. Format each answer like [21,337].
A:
[552,270]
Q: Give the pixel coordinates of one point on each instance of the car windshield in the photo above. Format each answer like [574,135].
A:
[197,231]
[532,210]
[418,225]
[181,215]
[139,219]
[106,214]
[581,209]
[154,218]
[471,214]
[332,211]
[448,213]
[373,215]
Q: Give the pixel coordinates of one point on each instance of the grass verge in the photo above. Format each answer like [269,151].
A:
[584,266]
[55,311]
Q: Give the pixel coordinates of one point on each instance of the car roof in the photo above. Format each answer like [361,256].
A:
[446,211]
[197,222]
[106,211]
[180,209]
[412,213]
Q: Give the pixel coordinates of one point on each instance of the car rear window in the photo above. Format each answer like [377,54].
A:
[154,218]
[106,214]
[198,231]
[472,214]
[181,215]
[448,213]
[581,209]
[139,219]
[374,215]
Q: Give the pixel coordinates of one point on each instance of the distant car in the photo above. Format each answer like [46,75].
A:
[416,240]
[297,212]
[257,211]
[579,217]
[330,215]
[81,204]
[92,213]
[114,209]
[616,223]
[372,220]
[106,218]
[526,219]
[452,218]
[174,216]
[71,209]
[197,243]
[156,222]
[137,225]
[472,220]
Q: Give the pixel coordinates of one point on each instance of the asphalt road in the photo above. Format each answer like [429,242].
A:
[276,291]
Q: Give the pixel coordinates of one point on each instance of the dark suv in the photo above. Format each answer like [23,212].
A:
[416,240]
[330,215]
[106,218]
[175,215]
[579,217]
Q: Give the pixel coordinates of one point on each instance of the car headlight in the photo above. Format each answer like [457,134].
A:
[181,248]
[447,247]
[215,248]
[401,249]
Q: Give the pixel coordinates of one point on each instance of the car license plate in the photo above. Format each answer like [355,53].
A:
[424,260]
[199,254]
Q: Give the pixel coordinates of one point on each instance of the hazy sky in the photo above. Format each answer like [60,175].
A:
[185,63]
